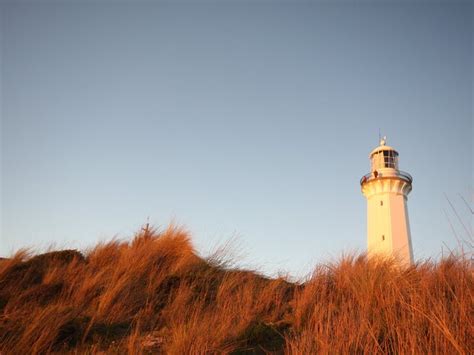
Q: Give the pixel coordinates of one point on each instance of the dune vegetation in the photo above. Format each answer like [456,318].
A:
[155,295]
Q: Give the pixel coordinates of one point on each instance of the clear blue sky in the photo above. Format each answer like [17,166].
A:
[240,119]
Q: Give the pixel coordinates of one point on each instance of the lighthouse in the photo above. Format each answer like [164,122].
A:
[386,189]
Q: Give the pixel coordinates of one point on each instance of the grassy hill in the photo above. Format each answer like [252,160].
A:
[155,295]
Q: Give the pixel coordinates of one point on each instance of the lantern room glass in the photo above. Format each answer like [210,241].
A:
[384,159]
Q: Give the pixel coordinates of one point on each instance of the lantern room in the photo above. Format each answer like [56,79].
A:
[383,157]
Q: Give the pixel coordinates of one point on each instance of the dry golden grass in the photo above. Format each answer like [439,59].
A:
[155,295]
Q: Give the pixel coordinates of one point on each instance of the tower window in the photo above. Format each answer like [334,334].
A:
[381,203]
[383,237]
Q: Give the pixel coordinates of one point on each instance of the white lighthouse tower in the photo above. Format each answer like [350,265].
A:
[386,189]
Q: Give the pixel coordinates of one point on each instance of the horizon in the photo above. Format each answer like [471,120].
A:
[235,120]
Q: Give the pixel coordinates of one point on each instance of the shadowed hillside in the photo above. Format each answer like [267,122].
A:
[155,295]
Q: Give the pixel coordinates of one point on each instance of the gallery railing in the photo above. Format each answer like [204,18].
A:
[399,173]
